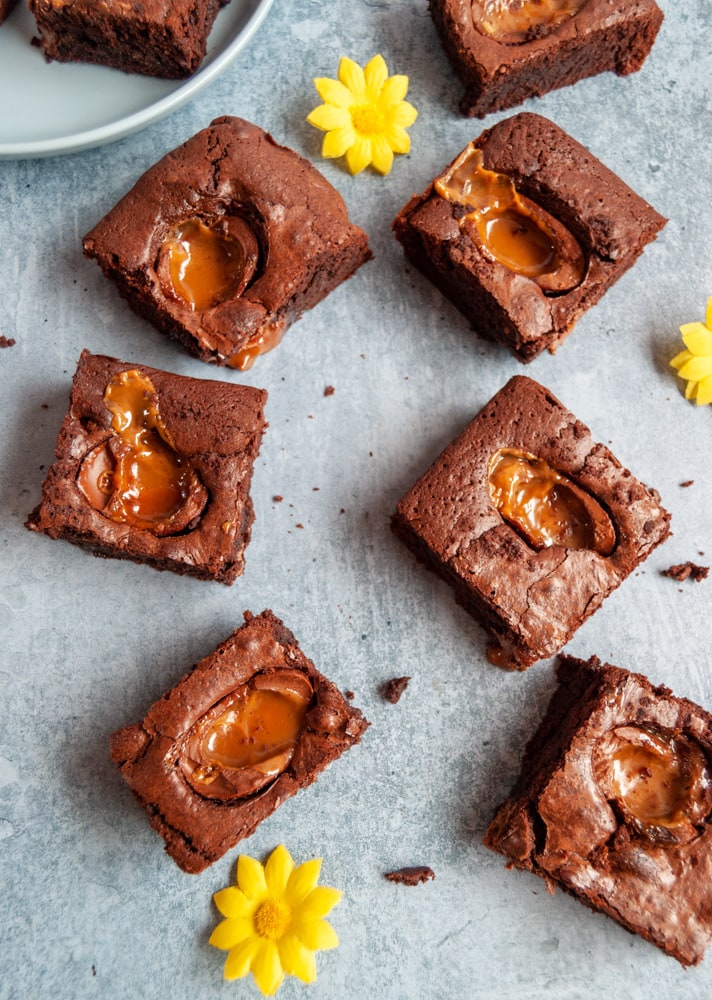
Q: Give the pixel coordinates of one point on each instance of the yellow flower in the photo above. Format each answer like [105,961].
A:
[275,920]
[695,364]
[364,115]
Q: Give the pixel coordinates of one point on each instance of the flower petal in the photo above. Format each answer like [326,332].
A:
[278,869]
[381,154]
[320,901]
[267,969]
[318,935]
[704,392]
[239,961]
[697,338]
[251,877]
[333,92]
[297,960]
[337,142]
[229,933]
[375,74]
[302,881]
[232,902]
[403,114]
[680,359]
[351,75]
[358,156]
[394,90]
[398,139]
[708,314]
[326,117]
[696,369]
[690,390]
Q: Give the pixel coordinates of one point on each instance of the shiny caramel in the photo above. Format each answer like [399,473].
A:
[136,477]
[249,738]
[511,228]
[205,265]
[266,340]
[513,22]
[661,781]
[547,508]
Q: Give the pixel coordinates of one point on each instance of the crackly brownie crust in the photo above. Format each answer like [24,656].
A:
[558,823]
[218,427]
[611,223]
[530,601]
[308,246]
[498,76]
[163,38]
[199,830]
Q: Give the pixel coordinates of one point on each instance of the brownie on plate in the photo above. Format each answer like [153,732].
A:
[613,805]
[155,468]
[524,232]
[505,51]
[531,522]
[166,38]
[226,241]
[249,726]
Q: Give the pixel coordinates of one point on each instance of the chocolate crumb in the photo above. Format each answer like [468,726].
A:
[7,341]
[350,695]
[329,390]
[683,571]
[277,498]
[410,876]
[688,482]
[394,688]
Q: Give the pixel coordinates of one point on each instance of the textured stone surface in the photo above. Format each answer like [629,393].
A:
[92,905]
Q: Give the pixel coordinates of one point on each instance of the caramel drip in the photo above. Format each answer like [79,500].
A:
[511,228]
[266,340]
[209,265]
[516,21]
[137,477]
[546,507]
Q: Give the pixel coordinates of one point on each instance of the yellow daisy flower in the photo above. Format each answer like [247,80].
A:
[274,920]
[695,364]
[364,115]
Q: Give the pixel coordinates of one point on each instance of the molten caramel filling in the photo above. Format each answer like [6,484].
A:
[136,477]
[511,228]
[266,340]
[249,738]
[516,21]
[660,781]
[546,507]
[205,265]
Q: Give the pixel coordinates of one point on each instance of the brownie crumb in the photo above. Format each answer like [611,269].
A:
[394,688]
[683,571]
[410,876]
[7,341]
[688,482]
[277,498]
[329,390]
[350,695]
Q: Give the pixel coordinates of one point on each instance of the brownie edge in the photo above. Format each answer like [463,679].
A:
[564,823]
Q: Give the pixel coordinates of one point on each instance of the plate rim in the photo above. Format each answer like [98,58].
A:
[102,134]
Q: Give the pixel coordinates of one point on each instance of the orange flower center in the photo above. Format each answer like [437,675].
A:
[272,918]
[367,120]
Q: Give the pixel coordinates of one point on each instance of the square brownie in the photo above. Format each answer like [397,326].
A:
[164,38]
[531,522]
[249,726]
[155,468]
[227,241]
[524,232]
[505,51]
[613,805]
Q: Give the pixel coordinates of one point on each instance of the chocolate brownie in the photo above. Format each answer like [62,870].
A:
[248,727]
[155,468]
[531,522]
[505,51]
[165,38]
[613,805]
[227,241]
[524,232]
[5,7]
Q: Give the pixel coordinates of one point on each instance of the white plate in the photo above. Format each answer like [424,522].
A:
[51,108]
